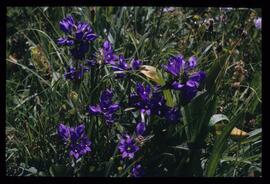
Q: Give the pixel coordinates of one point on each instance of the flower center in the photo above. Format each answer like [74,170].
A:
[184,77]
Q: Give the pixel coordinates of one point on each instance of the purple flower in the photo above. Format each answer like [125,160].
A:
[106,107]
[78,35]
[76,140]
[78,150]
[198,76]
[158,104]
[63,131]
[172,115]
[141,99]
[192,62]
[79,31]
[121,66]
[146,101]
[144,93]
[140,128]
[127,147]
[67,24]
[108,52]
[74,74]
[85,32]
[190,87]
[184,81]
[175,65]
[192,82]
[122,63]
[136,64]
[258,23]
[64,41]
[152,103]
[137,171]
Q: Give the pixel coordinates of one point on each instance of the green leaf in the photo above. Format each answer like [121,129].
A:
[168,97]
[110,38]
[192,115]
[255,132]
[219,147]
[213,73]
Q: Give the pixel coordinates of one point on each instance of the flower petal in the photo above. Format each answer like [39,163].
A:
[95,110]
[114,107]
[177,85]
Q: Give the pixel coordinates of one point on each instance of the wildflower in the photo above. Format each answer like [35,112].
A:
[180,69]
[159,107]
[63,131]
[121,66]
[136,64]
[172,115]
[76,140]
[175,65]
[258,23]
[127,147]
[65,41]
[158,104]
[106,107]
[152,103]
[85,32]
[137,171]
[140,128]
[67,24]
[108,52]
[122,63]
[144,93]
[74,74]
[192,62]
[141,99]
[78,35]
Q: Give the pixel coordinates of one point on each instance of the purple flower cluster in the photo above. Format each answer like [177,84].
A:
[153,103]
[75,139]
[121,67]
[77,35]
[184,80]
[127,147]
[74,74]
[118,63]
[141,99]
[106,107]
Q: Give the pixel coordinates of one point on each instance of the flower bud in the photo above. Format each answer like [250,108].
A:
[73,96]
